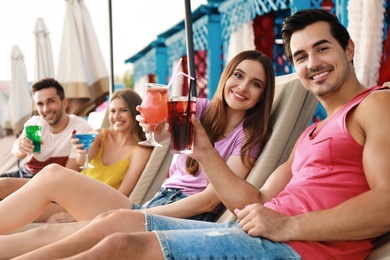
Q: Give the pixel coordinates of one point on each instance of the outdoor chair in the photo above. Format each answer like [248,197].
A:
[154,174]
[8,162]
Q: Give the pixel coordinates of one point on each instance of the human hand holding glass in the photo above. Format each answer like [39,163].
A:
[154,109]
[180,110]
[86,139]
[33,133]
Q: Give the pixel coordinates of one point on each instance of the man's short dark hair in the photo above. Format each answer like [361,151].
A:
[48,83]
[303,18]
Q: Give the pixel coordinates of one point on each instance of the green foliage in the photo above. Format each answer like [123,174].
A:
[128,79]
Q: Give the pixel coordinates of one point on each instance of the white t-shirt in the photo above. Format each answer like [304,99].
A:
[56,148]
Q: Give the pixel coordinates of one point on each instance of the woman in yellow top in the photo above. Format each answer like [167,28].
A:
[111,174]
[114,149]
[116,155]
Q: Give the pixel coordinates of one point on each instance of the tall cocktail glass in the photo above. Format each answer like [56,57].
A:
[179,119]
[154,109]
[86,139]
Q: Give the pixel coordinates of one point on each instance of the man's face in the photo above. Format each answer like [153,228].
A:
[320,62]
[49,105]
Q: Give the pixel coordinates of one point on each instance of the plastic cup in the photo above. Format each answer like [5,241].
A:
[33,132]
[182,132]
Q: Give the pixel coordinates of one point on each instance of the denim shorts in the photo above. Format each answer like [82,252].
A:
[167,196]
[189,239]
[21,173]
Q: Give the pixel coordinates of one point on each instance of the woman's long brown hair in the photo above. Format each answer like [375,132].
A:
[256,122]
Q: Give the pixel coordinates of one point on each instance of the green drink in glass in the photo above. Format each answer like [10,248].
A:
[33,132]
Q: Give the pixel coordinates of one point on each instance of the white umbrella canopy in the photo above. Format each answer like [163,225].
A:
[81,68]
[3,112]
[44,67]
[19,103]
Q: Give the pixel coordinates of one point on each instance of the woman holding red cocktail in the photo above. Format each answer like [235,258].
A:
[236,121]
[243,98]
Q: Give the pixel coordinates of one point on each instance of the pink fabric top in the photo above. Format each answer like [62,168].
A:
[327,170]
[231,145]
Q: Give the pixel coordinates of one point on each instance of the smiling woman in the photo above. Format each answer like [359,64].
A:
[113,149]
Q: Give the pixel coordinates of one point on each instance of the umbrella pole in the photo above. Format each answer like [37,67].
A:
[112,84]
[190,47]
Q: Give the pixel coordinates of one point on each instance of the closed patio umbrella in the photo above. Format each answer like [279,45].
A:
[81,68]
[44,67]
[19,103]
[3,112]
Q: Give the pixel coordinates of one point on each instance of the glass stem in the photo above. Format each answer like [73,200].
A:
[86,159]
[151,134]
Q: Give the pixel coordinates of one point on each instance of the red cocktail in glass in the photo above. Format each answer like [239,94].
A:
[154,109]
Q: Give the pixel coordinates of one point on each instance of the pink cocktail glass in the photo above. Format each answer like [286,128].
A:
[154,109]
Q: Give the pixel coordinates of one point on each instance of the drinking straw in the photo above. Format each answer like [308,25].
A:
[181,73]
[175,71]
[175,76]
[188,117]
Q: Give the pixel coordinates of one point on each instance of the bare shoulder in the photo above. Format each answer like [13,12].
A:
[370,117]
[142,151]
[374,119]
[145,149]
[380,93]
[100,133]
[141,155]
[373,111]
[106,132]
[376,102]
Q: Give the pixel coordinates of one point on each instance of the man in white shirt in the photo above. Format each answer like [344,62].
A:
[57,127]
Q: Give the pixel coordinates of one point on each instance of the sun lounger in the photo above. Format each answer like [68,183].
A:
[154,174]
[8,162]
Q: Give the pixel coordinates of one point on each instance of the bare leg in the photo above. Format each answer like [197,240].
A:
[129,221]
[51,209]
[124,246]
[84,197]
[10,185]
[20,243]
